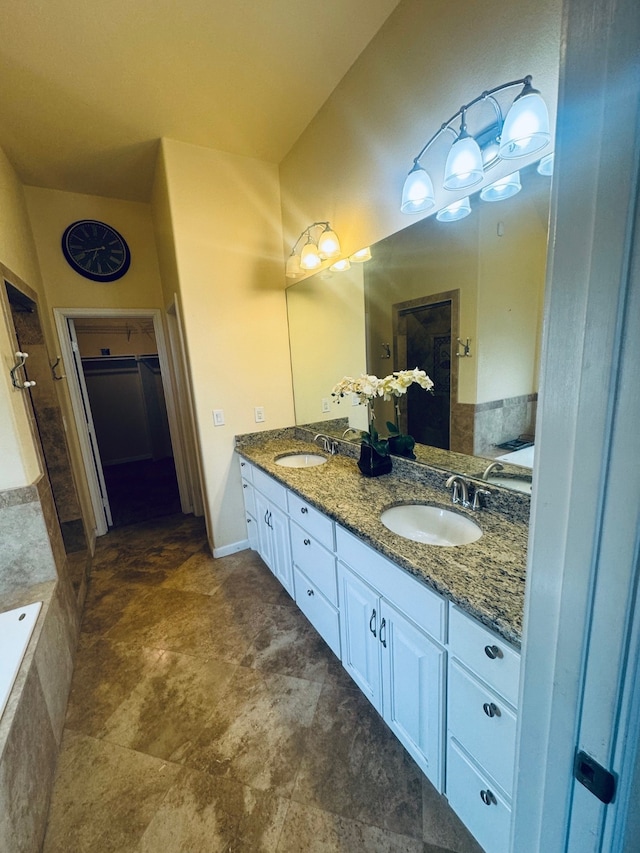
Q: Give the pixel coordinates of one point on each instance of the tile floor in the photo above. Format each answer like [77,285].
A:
[206,715]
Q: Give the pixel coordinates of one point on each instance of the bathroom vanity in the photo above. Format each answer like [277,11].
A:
[429,634]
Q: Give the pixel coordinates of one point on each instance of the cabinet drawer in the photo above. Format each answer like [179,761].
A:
[311,520]
[485,653]
[318,564]
[484,812]
[484,724]
[276,493]
[246,470]
[405,592]
[249,497]
[320,612]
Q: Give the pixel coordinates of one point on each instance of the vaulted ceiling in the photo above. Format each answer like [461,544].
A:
[87,89]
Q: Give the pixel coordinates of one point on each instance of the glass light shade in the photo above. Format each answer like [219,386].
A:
[341,265]
[453,212]
[309,257]
[502,188]
[417,193]
[545,166]
[464,164]
[361,256]
[328,244]
[292,269]
[526,127]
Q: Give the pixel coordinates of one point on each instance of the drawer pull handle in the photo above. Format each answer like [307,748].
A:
[488,798]
[383,626]
[304,510]
[307,541]
[493,652]
[491,709]
[309,592]
[372,623]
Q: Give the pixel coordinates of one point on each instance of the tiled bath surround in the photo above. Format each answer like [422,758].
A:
[34,567]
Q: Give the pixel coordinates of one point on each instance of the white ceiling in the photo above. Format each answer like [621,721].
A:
[87,89]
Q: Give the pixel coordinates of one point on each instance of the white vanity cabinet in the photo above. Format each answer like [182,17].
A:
[273,528]
[445,684]
[248,493]
[481,723]
[397,662]
[314,569]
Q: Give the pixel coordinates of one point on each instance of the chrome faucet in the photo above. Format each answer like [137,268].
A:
[328,444]
[460,493]
[350,429]
[492,466]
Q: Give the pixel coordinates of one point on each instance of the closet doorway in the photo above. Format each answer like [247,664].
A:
[125,413]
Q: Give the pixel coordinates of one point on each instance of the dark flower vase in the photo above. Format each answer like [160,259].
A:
[402,445]
[372,463]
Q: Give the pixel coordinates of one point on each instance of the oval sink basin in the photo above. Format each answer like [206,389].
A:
[431,525]
[301,460]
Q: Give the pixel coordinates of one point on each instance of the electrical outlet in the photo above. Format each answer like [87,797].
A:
[326,405]
[259,413]
[355,400]
[218,417]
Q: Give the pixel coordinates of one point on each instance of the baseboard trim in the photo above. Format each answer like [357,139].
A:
[231,549]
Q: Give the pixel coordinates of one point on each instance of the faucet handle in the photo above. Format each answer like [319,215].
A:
[477,496]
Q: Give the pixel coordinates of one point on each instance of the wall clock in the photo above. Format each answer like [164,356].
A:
[95,250]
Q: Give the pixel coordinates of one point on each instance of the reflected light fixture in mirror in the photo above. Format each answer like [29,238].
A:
[523,131]
[458,210]
[361,256]
[545,166]
[502,188]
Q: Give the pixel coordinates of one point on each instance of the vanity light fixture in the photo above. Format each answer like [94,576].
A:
[341,265]
[523,131]
[321,244]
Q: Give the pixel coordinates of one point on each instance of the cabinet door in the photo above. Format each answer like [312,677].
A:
[413,689]
[281,548]
[265,541]
[359,627]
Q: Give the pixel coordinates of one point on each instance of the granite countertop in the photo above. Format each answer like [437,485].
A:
[486,578]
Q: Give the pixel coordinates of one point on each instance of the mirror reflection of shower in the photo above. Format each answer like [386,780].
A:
[423,340]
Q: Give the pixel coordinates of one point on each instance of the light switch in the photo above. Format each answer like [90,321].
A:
[326,405]
[218,417]
[259,413]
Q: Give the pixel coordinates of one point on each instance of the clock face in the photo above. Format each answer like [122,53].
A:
[96,250]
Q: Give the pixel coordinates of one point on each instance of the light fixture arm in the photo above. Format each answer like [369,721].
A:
[486,95]
[307,233]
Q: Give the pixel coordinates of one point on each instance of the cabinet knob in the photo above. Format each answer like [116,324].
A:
[488,798]
[248,520]
[307,541]
[304,510]
[244,485]
[493,652]
[309,592]
[242,464]
[491,709]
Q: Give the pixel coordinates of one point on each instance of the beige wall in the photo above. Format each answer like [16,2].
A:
[19,462]
[428,59]
[225,212]
[51,211]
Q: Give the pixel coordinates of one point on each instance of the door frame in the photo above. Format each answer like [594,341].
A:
[581,646]
[61,315]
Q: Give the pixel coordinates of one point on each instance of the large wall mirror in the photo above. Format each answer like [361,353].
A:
[427,290]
